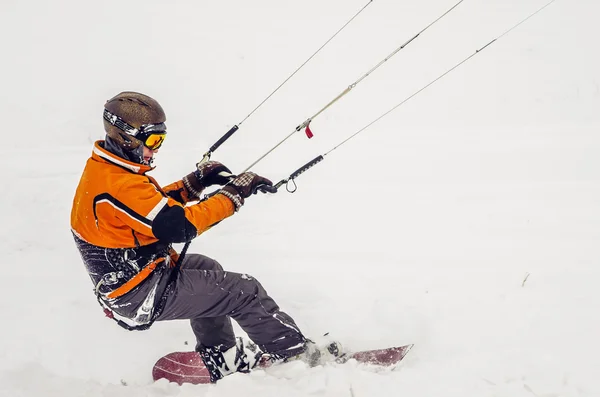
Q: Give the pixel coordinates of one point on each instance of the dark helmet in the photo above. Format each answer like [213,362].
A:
[130,116]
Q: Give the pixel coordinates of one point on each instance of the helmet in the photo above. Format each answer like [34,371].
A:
[130,116]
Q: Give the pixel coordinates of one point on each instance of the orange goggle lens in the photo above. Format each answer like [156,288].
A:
[155,140]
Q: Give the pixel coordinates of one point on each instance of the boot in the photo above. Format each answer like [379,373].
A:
[321,351]
[242,357]
[318,352]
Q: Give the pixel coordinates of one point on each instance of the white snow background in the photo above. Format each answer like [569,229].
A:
[420,230]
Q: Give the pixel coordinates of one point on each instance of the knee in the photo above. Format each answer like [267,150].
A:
[214,265]
[197,261]
[253,288]
[250,282]
[252,293]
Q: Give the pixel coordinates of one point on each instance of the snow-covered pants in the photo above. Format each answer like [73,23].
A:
[209,296]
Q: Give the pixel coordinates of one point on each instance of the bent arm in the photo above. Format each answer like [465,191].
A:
[153,214]
[178,224]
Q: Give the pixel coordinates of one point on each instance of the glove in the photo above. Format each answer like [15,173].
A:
[207,174]
[244,185]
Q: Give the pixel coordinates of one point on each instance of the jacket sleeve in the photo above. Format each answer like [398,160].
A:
[178,192]
[152,213]
[186,190]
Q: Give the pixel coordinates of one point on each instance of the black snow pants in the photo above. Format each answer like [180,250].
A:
[209,296]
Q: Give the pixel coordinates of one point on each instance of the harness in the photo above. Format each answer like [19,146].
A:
[117,272]
[156,308]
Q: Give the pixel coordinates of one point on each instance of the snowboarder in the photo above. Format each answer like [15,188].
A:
[124,224]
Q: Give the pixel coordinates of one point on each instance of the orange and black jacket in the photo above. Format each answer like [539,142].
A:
[124,224]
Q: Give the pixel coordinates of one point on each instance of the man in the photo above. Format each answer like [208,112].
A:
[124,224]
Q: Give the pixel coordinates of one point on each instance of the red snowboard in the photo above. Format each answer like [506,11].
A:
[187,367]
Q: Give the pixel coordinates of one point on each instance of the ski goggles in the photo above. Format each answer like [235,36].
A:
[152,140]
[151,135]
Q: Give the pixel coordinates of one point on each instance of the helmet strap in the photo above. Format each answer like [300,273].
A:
[121,124]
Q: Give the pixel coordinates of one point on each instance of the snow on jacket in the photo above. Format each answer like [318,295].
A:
[124,223]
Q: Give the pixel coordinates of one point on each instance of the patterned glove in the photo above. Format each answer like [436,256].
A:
[207,174]
[244,185]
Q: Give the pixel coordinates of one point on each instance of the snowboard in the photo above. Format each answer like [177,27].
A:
[188,367]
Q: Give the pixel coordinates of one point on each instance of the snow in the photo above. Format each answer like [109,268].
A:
[466,222]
